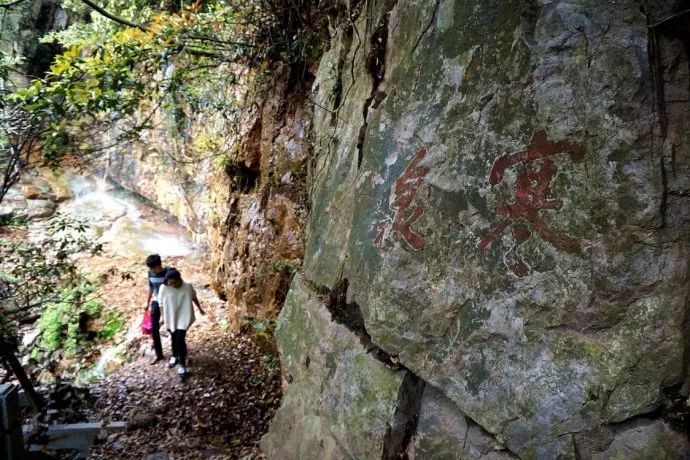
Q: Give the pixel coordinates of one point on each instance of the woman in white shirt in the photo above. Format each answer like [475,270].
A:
[176,298]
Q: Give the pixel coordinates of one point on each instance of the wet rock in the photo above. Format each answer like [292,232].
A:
[100,209]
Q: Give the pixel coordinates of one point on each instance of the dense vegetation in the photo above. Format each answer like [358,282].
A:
[117,73]
[119,64]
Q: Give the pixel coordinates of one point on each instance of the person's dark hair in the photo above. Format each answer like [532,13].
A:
[153,260]
[172,274]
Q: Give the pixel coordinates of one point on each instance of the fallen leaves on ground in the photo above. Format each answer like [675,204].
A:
[221,410]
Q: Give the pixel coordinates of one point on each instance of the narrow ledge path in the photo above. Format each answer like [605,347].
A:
[234,387]
[224,406]
[220,411]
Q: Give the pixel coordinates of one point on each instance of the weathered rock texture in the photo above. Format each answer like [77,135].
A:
[342,400]
[34,197]
[504,185]
[235,184]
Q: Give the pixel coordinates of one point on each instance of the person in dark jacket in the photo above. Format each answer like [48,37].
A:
[156,277]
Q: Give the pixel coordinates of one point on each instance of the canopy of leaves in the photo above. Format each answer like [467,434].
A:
[111,75]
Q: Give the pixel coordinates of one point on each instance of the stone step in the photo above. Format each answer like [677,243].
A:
[74,436]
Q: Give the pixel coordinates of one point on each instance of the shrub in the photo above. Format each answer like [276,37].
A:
[113,321]
[13,221]
[64,324]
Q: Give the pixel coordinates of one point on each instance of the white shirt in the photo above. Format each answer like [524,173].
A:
[176,306]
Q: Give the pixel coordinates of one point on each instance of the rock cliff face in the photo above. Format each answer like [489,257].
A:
[236,189]
[497,251]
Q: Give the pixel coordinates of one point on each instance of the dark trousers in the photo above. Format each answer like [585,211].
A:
[156,324]
[179,346]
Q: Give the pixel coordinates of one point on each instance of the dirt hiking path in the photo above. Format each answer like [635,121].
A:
[222,408]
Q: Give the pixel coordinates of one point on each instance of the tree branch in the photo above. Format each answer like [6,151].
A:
[193,51]
[223,42]
[112,17]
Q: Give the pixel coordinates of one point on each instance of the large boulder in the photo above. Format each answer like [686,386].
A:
[58,181]
[341,401]
[14,205]
[40,209]
[34,192]
[505,186]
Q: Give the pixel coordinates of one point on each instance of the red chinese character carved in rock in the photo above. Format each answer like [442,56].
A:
[532,195]
[404,212]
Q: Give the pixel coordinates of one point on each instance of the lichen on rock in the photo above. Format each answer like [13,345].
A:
[340,400]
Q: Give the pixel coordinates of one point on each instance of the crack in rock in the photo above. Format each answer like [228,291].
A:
[376,66]
[405,418]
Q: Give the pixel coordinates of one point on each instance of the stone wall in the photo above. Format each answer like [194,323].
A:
[497,251]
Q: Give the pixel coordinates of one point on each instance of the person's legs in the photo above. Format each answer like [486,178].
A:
[173,345]
[155,333]
[182,347]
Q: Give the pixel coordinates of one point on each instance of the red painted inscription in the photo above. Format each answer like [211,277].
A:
[532,195]
[405,212]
